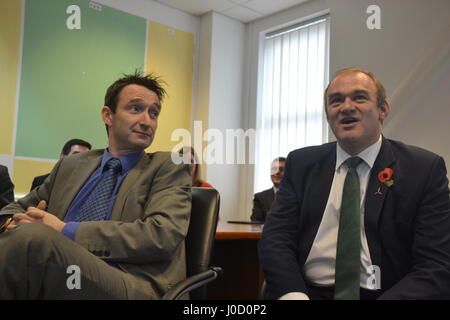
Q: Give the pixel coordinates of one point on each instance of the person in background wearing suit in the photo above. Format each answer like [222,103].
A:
[72,146]
[263,200]
[6,187]
[113,219]
[364,218]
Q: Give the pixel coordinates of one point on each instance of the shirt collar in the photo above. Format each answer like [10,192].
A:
[369,155]
[127,161]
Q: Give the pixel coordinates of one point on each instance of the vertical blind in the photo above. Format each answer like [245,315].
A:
[290,112]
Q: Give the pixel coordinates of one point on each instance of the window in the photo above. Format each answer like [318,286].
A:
[290,111]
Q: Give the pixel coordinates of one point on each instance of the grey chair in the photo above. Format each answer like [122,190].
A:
[199,244]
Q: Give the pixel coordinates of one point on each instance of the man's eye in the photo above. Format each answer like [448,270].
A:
[335,100]
[154,114]
[360,98]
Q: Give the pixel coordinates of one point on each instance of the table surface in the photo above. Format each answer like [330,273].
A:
[236,231]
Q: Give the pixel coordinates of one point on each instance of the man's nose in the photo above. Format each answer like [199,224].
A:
[145,119]
[348,105]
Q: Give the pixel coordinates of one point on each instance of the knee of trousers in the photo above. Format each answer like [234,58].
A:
[33,237]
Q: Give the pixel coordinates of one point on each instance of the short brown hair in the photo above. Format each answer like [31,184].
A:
[149,81]
[381,91]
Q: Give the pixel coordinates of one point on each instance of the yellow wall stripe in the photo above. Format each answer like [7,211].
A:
[10,20]
[26,170]
[170,54]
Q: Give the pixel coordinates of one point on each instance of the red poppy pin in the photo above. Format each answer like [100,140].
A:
[385,176]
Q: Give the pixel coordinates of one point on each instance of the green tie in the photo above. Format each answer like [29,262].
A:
[348,257]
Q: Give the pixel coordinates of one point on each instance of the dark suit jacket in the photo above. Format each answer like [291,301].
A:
[261,204]
[6,187]
[37,181]
[149,221]
[407,226]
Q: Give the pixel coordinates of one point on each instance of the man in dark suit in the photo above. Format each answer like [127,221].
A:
[106,224]
[263,200]
[6,187]
[71,147]
[363,218]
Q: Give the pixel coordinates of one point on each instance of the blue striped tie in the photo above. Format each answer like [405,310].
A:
[96,205]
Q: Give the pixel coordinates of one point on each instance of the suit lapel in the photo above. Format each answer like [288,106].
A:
[76,180]
[320,181]
[375,195]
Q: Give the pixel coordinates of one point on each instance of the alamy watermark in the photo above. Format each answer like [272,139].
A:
[373,22]
[74,280]
[373,282]
[236,146]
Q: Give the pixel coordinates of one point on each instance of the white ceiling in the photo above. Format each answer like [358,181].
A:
[242,10]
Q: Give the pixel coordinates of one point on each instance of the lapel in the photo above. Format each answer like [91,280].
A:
[128,182]
[375,195]
[320,181]
[76,180]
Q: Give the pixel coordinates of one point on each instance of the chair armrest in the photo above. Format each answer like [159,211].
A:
[191,283]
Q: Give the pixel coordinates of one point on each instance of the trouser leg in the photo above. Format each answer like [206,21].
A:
[37,262]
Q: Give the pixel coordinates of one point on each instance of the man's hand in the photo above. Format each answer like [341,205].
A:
[37,215]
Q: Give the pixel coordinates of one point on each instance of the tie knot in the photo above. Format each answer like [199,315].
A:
[353,162]
[114,165]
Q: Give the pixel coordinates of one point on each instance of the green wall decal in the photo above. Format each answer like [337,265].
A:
[65,72]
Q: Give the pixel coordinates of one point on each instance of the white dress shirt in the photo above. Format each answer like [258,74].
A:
[320,265]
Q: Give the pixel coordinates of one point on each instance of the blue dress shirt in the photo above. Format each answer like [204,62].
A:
[128,162]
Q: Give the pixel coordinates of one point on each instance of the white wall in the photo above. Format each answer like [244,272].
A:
[222,65]
[410,55]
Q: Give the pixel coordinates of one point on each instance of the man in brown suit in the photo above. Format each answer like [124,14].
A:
[134,247]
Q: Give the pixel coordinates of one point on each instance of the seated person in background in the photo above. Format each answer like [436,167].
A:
[194,167]
[6,187]
[263,200]
[73,146]
[118,215]
[365,217]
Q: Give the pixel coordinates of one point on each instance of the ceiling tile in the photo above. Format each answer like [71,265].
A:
[199,7]
[270,6]
[242,14]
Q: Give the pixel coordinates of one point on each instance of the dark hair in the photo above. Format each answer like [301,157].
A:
[148,81]
[381,91]
[283,159]
[73,142]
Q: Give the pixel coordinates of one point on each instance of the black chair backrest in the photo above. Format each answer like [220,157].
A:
[201,234]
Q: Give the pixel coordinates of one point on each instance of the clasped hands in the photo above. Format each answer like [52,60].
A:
[37,215]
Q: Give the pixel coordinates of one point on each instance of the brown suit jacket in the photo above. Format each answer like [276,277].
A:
[150,217]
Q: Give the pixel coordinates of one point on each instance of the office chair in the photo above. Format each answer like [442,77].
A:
[199,243]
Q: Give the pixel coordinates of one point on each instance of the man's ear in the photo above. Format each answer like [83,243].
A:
[385,108]
[107,116]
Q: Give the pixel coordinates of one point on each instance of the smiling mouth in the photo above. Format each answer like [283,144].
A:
[348,121]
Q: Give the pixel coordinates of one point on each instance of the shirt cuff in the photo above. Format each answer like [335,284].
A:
[294,296]
[70,230]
